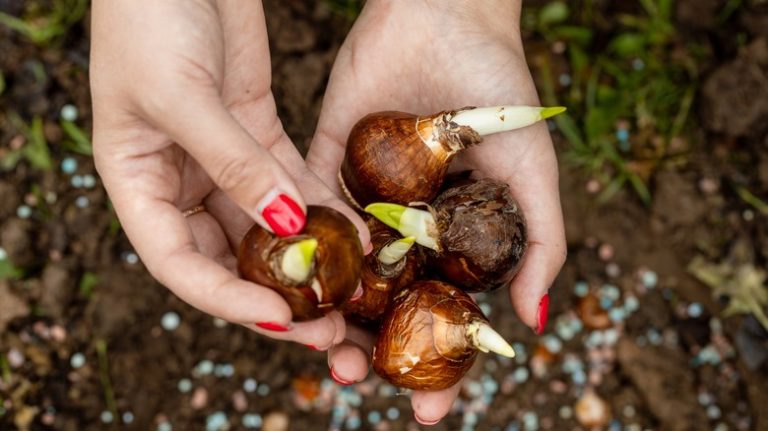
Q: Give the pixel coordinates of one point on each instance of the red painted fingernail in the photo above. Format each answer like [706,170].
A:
[272,326]
[542,314]
[313,347]
[283,214]
[338,379]
[425,423]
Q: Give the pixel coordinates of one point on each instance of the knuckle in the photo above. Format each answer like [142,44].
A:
[232,174]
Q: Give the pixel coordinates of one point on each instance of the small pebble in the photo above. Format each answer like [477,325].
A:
[470,418]
[521,354]
[217,422]
[3,254]
[184,385]
[633,427]
[638,64]
[15,358]
[491,365]
[131,258]
[164,426]
[170,321]
[530,421]
[622,135]
[89,181]
[521,374]
[199,398]
[354,422]
[613,270]
[106,417]
[224,370]
[239,401]
[553,344]
[610,336]
[486,308]
[748,215]
[705,398]
[58,333]
[393,413]
[203,368]
[220,323]
[76,181]
[23,211]
[565,412]
[649,279]
[252,420]
[82,202]
[606,303]
[629,411]
[564,79]
[631,304]
[721,427]
[263,390]
[249,385]
[68,112]
[605,252]
[374,417]
[77,360]
[708,185]
[128,417]
[714,412]
[593,186]
[490,386]
[579,378]
[69,165]
[591,410]
[695,310]
[617,314]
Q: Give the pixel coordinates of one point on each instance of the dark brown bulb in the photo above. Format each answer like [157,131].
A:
[380,281]
[335,270]
[400,158]
[426,340]
[482,235]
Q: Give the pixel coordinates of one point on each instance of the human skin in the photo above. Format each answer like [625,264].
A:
[424,57]
[184,115]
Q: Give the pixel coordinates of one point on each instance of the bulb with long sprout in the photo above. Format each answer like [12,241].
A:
[430,337]
[403,158]
[475,233]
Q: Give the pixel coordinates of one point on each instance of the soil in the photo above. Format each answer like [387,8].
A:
[81,341]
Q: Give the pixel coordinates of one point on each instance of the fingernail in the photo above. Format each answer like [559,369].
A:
[425,423]
[358,293]
[282,214]
[272,326]
[542,314]
[338,379]
[313,347]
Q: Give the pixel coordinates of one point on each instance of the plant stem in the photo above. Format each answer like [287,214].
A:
[297,259]
[495,119]
[393,252]
[486,339]
[106,382]
[408,221]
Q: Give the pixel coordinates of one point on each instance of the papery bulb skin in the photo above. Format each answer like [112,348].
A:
[335,268]
[424,342]
[482,235]
[381,281]
[399,157]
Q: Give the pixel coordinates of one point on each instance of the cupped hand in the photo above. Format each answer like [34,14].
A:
[183,116]
[425,57]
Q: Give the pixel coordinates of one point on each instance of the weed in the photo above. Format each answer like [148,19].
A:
[629,91]
[78,141]
[43,27]
[35,151]
[349,9]
[106,382]
[88,282]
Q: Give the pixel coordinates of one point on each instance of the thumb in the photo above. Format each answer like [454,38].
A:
[238,165]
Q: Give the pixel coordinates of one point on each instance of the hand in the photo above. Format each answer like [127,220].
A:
[184,115]
[424,57]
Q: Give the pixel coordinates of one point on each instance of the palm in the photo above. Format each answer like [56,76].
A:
[400,64]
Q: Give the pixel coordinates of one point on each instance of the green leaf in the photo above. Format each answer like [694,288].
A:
[36,150]
[80,144]
[88,281]
[8,271]
[599,122]
[640,188]
[553,13]
[629,44]
[2,82]
[10,160]
[578,35]
[569,129]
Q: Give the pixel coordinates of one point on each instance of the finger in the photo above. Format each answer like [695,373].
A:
[348,361]
[241,167]
[430,407]
[318,334]
[533,181]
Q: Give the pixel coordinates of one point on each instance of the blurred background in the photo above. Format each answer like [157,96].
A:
[658,319]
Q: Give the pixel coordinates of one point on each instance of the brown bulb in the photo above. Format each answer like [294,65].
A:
[430,337]
[381,279]
[401,158]
[327,278]
[482,235]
